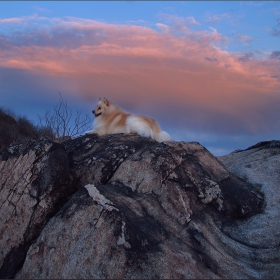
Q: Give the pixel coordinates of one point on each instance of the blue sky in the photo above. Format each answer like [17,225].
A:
[207,71]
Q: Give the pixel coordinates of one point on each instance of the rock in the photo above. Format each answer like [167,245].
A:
[34,184]
[150,210]
[260,165]
[94,159]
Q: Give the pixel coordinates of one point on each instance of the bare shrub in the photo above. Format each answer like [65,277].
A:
[59,125]
[63,122]
[7,116]
[18,129]
[27,128]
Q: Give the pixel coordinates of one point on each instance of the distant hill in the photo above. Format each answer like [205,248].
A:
[18,129]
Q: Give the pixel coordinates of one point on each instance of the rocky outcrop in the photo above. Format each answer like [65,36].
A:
[260,165]
[141,209]
[34,184]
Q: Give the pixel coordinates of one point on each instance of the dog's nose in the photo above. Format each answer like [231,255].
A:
[93,111]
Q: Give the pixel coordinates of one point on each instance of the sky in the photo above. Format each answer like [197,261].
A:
[207,71]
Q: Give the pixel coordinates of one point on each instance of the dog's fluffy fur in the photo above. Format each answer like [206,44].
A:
[110,119]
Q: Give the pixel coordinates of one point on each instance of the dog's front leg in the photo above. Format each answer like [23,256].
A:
[90,132]
[99,132]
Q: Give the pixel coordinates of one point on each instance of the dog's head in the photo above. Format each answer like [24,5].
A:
[101,107]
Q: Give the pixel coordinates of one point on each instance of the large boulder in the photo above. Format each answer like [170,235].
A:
[150,210]
[260,165]
[34,184]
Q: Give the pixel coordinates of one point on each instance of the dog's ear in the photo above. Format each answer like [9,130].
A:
[106,101]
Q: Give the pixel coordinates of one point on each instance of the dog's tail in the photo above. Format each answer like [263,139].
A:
[162,136]
[144,128]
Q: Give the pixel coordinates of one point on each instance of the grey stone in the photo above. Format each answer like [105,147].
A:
[149,210]
[259,165]
[34,183]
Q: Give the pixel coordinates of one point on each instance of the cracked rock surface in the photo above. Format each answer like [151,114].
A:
[260,165]
[123,206]
[135,208]
[34,183]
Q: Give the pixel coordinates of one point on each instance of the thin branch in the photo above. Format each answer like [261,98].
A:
[62,121]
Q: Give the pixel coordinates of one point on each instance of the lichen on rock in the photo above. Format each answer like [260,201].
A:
[99,198]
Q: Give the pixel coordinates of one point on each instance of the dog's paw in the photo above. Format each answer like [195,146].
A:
[90,132]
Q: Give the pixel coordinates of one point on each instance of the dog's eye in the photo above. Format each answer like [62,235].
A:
[98,108]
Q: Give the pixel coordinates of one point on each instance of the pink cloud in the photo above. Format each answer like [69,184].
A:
[185,75]
[18,19]
[10,20]
[244,39]
[178,20]
[219,17]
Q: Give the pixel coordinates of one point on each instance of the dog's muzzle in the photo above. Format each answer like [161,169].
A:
[96,115]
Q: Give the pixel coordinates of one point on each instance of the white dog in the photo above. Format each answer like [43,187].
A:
[110,119]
